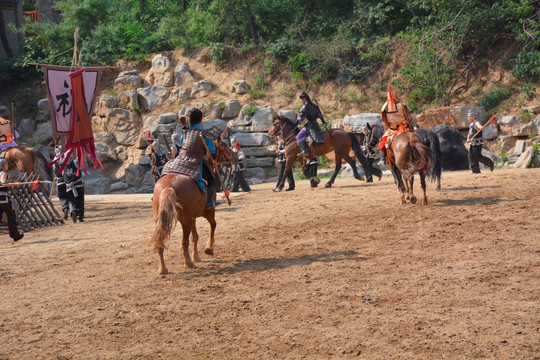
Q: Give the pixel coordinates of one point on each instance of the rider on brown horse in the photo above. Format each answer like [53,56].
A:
[191,160]
[311,112]
[396,117]
[8,134]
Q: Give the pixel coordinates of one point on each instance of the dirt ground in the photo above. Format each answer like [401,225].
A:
[311,274]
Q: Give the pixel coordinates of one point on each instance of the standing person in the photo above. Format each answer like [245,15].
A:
[371,136]
[74,190]
[61,183]
[238,179]
[6,203]
[281,160]
[475,150]
[158,157]
[193,159]
[396,117]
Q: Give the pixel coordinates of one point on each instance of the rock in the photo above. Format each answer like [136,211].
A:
[525,159]
[201,89]
[153,96]
[288,114]
[260,151]
[507,142]
[128,80]
[454,116]
[347,171]
[252,139]
[145,160]
[231,110]
[167,118]
[105,103]
[124,124]
[490,132]
[43,110]
[256,172]
[104,152]
[217,110]
[118,186]
[355,123]
[135,174]
[97,186]
[105,137]
[520,147]
[129,100]
[207,124]
[260,162]
[43,134]
[161,73]
[179,96]
[261,121]
[534,109]
[239,87]
[26,127]
[182,75]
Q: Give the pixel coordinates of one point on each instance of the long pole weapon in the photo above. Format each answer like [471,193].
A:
[490,122]
[225,191]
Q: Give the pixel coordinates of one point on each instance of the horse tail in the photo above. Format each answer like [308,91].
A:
[164,217]
[423,156]
[361,157]
[436,168]
[44,164]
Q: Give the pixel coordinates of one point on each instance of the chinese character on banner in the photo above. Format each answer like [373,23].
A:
[71,100]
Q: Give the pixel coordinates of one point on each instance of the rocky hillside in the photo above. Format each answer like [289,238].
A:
[239,96]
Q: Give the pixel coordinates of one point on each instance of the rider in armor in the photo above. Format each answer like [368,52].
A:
[8,134]
[311,112]
[396,117]
[192,160]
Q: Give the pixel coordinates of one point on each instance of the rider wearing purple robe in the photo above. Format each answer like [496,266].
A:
[311,112]
[8,134]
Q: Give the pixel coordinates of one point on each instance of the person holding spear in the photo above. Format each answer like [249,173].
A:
[474,137]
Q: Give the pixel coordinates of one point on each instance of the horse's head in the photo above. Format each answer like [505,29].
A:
[277,128]
[225,154]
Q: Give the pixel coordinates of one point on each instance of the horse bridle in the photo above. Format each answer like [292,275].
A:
[277,132]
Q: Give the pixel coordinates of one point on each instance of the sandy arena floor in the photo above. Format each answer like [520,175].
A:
[333,273]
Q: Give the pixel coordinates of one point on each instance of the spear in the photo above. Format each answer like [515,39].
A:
[490,122]
[225,191]
[33,184]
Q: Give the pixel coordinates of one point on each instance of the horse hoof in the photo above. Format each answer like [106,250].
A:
[413,199]
[209,251]
[190,266]
[328,185]
[163,271]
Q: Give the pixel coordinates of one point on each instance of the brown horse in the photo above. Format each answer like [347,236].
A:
[24,159]
[406,156]
[178,197]
[339,141]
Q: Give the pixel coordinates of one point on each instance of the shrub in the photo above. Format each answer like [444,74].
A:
[250,109]
[259,87]
[494,97]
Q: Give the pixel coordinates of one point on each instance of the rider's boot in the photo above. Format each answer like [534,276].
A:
[313,172]
[210,192]
[304,151]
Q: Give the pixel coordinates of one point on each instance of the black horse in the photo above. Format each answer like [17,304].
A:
[428,137]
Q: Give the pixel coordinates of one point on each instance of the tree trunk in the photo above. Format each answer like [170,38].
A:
[310,5]
[3,36]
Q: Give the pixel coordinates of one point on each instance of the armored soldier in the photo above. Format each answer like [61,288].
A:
[311,112]
[238,179]
[193,160]
[281,161]
[61,183]
[396,117]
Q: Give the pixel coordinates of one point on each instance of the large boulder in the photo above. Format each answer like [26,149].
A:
[105,103]
[43,110]
[355,123]
[231,109]
[239,87]
[182,75]
[128,80]
[201,89]
[43,134]
[179,95]
[128,100]
[454,116]
[153,96]
[455,155]
[161,73]
[260,121]
[124,124]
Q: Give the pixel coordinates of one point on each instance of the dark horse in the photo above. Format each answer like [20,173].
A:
[407,155]
[178,197]
[340,141]
[428,138]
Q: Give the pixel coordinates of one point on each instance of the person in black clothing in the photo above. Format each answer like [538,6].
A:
[238,179]
[74,190]
[61,184]
[474,137]
[6,205]
[281,169]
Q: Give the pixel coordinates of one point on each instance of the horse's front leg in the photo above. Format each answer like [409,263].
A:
[187,224]
[336,171]
[210,215]
[194,240]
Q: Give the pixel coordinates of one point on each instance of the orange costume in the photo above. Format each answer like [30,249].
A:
[396,118]
[8,134]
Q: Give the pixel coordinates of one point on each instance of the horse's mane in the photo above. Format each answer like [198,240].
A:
[288,121]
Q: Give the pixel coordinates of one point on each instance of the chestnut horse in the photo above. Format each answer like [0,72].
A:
[340,141]
[24,159]
[407,155]
[178,197]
